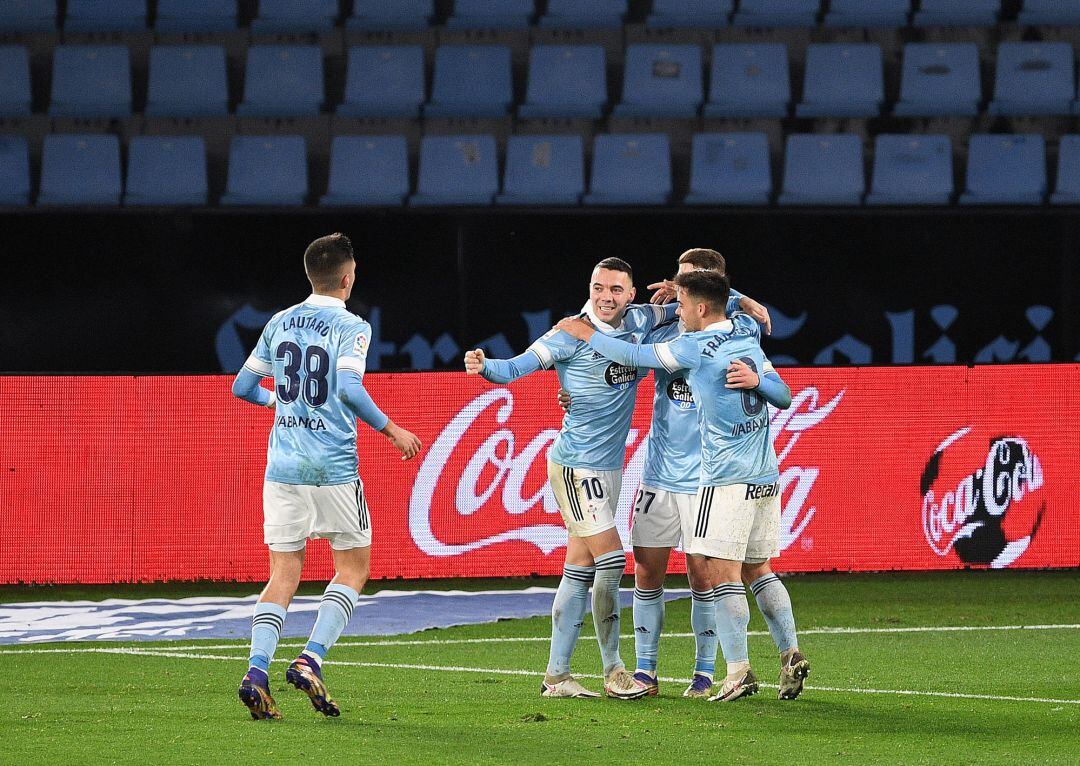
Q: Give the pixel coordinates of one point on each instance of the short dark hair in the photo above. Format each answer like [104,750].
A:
[703,258]
[616,264]
[324,258]
[708,287]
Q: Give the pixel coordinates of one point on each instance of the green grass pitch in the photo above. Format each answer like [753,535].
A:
[475,700]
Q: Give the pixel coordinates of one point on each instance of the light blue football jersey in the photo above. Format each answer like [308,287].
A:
[303,348]
[602,392]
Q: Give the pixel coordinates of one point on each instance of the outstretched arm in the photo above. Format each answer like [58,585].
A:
[353,395]
[501,370]
[659,356]
[246,386]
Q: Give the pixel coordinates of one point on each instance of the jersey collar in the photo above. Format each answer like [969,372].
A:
[598,323]
[723,326]
[324,300]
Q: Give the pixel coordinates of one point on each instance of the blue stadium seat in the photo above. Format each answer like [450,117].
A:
[368,170]
[842,80]
[777,13]
[187,81]
[293,16]
[80,170]
[1005,170]
[565,81]
[491,14]
[630,169]
[195,16]
[1051,12]
[1033,78]
[283,81]
[662,81]
[749,80]
[584,14]
[868,13]
[471,81]
[14,171]
[398,16]
[28,16]
[457,170]
[934,13]
[384,81]
[940,79]
[1067,191]
[690,14]
[266,170]
[823,170]
[166,170]
[911,170]
[91,81]
[730,169]
[14,81]
[543,170]
[108,16]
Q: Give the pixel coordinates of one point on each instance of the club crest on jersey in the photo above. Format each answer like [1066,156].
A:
[678,391]
[619,375]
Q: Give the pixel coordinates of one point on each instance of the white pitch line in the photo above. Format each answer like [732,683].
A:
[506,672]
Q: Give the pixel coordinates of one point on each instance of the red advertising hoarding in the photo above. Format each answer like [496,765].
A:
[119,479]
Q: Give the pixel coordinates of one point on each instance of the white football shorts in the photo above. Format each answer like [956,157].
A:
[737,522]
[587,499]
[661,518]
[296,513]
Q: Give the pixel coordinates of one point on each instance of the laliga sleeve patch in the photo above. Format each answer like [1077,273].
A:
[360,347]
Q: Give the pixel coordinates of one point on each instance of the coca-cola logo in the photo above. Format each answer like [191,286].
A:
[620,376]
[964,507]
[678,391]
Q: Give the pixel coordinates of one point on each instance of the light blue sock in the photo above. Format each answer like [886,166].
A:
[265,632]
[732,619]
[648,624]
[605,607]
[703,621]
[775,605]
[567,616]
[335,610]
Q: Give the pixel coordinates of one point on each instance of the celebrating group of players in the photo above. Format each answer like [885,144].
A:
[711,480]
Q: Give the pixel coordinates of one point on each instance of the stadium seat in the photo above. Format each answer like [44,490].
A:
[661,81]
[1033,78]
[28,16]
[842,80]
[730,169]
[14,81]
[368,170]
[1067,190]
[14,171]
[195,16]
[491,14]
[266,170]
[946,13]
[939,79]
[584,14]
[690,14]
[294,16]
[91,81]
[823,170]
[471,81]
[187,81]
[1005,170]
[630,169]
[868,13]
[777,13]
[565,81]
[457,170]
[283,81]
[911,170]
[384,81]
[80,170]
[166,170]
[1050,13]
[749,81]
[108,16]
[398,16]
[543,170]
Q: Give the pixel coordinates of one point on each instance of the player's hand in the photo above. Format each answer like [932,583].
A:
[564,399]
[758,312]
[665,291]
[739,375]
[404,441]
[474,361]
[577,327]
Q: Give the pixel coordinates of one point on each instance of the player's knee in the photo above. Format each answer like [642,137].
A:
[753,570]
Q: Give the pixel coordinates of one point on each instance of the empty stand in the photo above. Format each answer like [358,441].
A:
[749,80]
[842,80]
[91,81]
[730,169]
[187,81]
[1047,12]
[15,92]
[777,13]
[630,169]
[397,16]
[283,81]
[471,81]
[491,14]
[543,170]
[166,170]
[689,14]
[1034,78]
[14,171]
[868,13]
[294,16]
[384,81]
[266,170]
[823,170]
[957,13]
[939,79]
[195,16]
[457,170]
[912,170]
[80,170]
[28,16]
[584,14]
[368,170]
[1067,189]
[662,81]
[1005,170]
[565,81]
[107,16]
